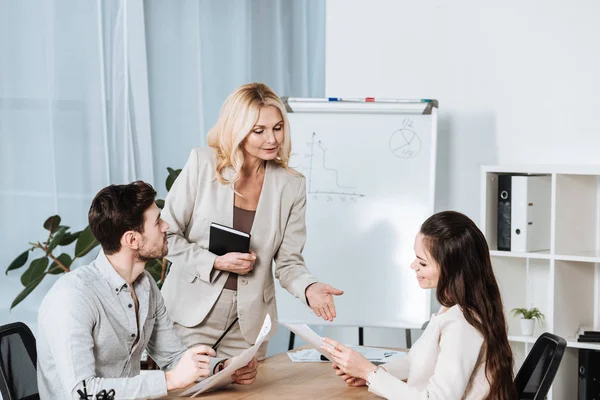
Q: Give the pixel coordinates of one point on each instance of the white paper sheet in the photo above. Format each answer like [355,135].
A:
[315,341]
[305,355]
[372,354]
[310,336]
[223,378]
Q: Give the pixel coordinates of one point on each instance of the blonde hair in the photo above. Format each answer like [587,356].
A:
[238,116]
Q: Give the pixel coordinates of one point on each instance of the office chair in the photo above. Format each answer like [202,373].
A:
[18,358]
[535,376]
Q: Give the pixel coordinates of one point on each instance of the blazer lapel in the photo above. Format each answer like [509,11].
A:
[262,217]
[227,198]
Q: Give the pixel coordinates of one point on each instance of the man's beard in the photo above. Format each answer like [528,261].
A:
[145,256]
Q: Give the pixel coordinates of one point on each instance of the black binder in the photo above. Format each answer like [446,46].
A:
[589,375]
[504,211]
[224,239]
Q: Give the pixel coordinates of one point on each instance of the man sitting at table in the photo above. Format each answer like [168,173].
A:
[96,321]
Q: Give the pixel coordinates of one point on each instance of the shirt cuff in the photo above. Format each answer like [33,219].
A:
[156,382]
[213,363]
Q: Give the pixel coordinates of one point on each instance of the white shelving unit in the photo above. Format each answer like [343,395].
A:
[564,282]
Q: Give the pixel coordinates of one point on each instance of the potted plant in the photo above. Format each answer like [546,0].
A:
[528,318]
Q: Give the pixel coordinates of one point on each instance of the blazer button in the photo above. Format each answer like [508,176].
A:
[244,281]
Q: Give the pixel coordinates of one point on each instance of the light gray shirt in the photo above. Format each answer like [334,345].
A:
[88,331]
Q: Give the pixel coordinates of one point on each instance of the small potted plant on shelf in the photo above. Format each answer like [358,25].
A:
[528,317]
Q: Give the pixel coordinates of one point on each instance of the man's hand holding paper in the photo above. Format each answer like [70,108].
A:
[240,369]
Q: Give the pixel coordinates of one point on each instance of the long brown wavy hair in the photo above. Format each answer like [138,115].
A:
[467,279]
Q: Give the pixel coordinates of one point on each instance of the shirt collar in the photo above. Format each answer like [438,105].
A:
[116,281]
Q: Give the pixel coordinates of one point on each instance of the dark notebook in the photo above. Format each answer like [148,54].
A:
[224,239]
[589,338]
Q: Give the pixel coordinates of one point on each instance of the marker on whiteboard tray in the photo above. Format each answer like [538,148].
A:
[376,100]
[356,100]
[312,100]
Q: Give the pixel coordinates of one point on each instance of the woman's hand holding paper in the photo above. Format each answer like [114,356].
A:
[351,363]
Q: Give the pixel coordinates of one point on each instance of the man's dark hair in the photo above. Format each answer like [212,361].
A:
[117,209]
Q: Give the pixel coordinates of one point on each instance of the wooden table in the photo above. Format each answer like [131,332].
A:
[279,378]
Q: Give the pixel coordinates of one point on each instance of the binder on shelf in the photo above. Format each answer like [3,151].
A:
[530,213]
[588,385]
[524,212]
[504,199]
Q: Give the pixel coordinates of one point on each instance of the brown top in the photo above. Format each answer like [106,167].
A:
[242,221]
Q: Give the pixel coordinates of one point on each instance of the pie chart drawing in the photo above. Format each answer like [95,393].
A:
[404,143]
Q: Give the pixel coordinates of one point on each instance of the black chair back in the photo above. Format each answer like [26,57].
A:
[18,358]
[535,376]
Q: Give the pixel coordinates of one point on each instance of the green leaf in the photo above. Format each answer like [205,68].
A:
[85,242]
[52,223]
[55,269]
[21,296]
[18,262]
[155,268]
[56,238]
[532,313]
[173,174]
[68,238]
[35,270]
[160,203]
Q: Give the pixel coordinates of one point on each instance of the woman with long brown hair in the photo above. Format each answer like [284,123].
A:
[464,352]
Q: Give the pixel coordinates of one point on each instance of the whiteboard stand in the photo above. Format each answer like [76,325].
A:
[370,183]
[361,341]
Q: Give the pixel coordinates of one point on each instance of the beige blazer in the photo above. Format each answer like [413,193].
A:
[278,234]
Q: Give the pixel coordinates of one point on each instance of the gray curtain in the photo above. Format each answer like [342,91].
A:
[199,51]
[74,117]
[108,91]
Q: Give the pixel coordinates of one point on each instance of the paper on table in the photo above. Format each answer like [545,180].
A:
[306,355]
[223,378]
[308,335]
[373,354]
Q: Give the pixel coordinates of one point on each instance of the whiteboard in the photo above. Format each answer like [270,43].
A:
[370,177]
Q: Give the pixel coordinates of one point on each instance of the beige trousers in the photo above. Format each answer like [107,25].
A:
[223,313]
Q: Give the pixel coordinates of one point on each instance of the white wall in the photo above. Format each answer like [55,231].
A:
[518,81]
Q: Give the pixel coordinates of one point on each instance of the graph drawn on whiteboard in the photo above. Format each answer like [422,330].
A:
[404,142]
[324,181]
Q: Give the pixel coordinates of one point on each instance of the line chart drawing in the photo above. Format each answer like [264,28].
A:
[323,180]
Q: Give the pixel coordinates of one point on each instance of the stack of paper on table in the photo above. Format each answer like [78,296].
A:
[372,354]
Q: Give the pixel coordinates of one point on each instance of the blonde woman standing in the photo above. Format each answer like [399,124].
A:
[242,179]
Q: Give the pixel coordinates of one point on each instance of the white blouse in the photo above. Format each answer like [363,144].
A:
[445,363]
